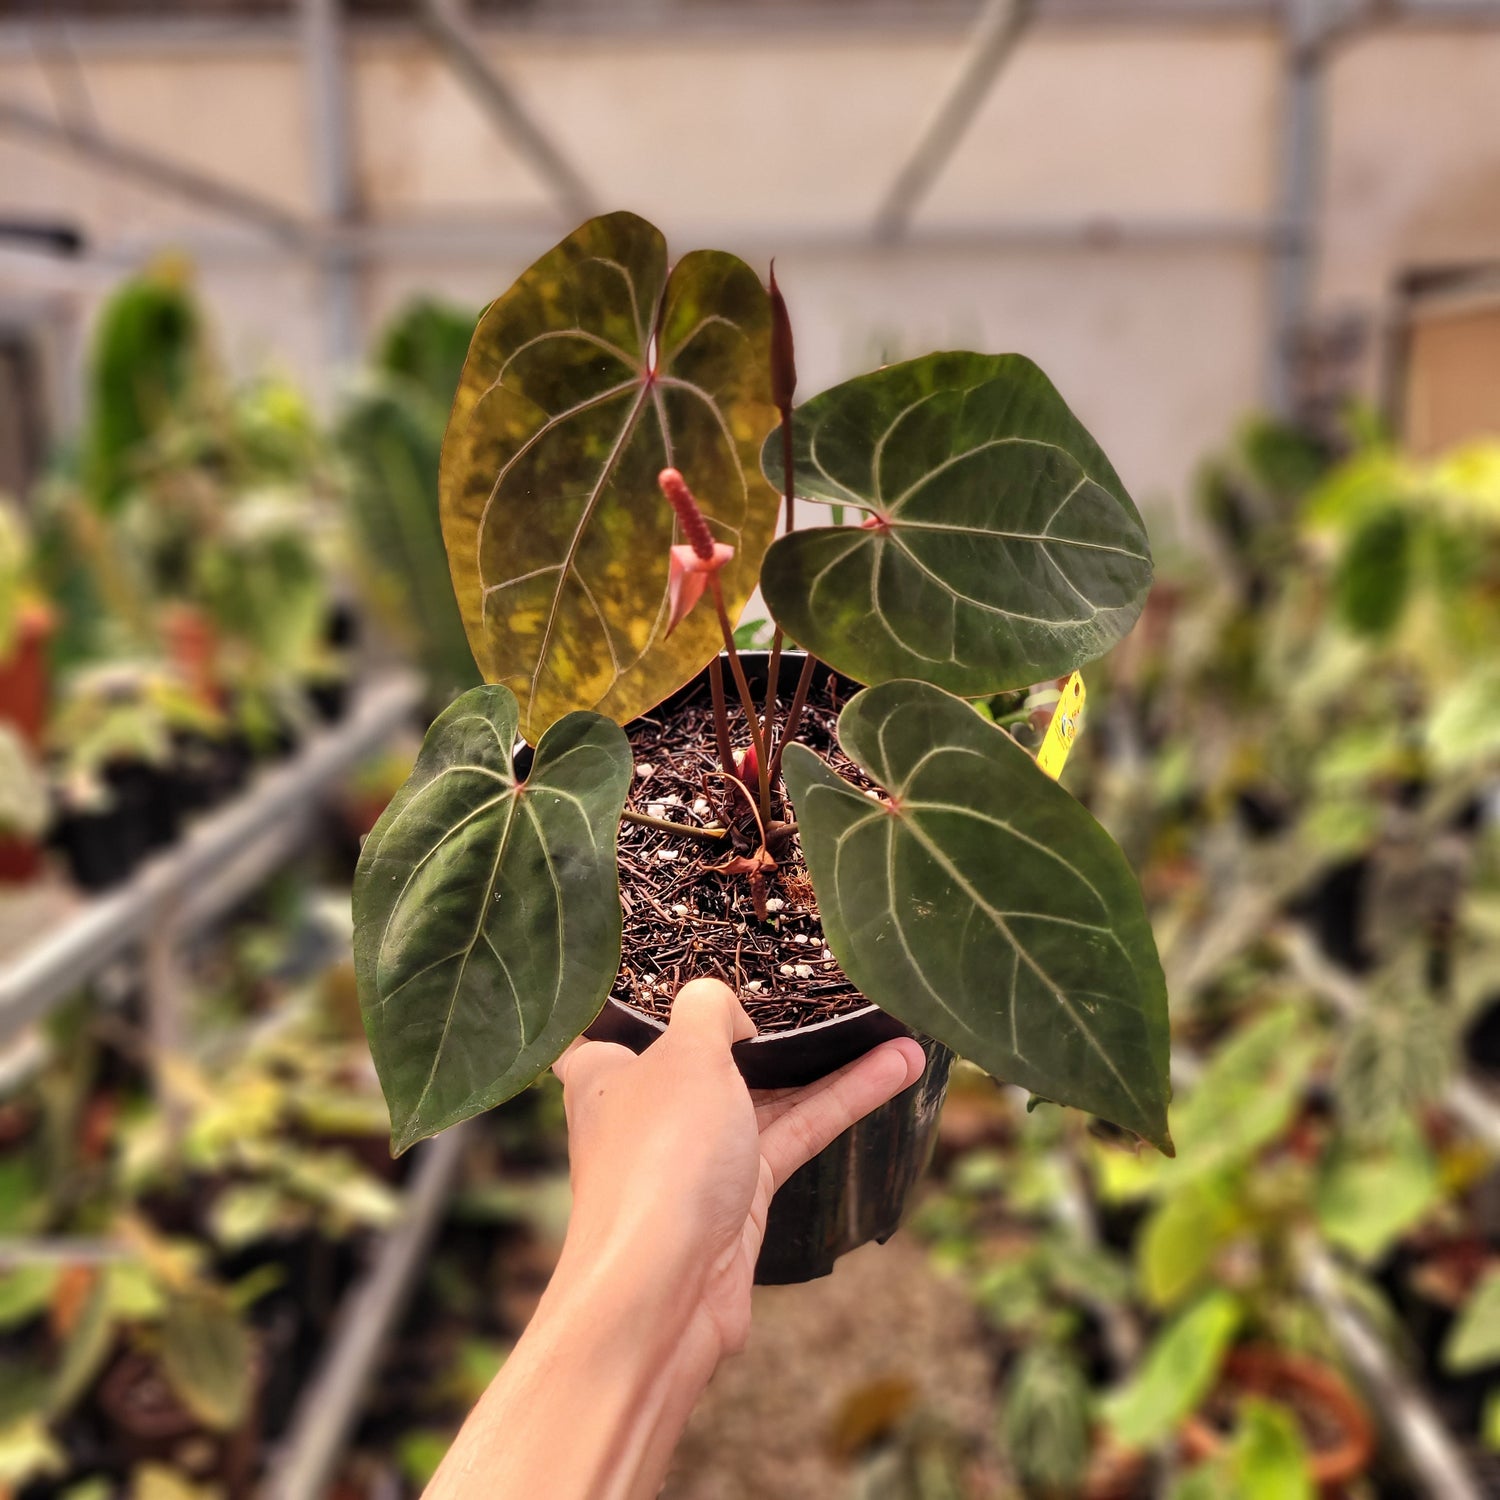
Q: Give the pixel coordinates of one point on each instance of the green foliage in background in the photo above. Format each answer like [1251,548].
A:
[1267,1460]
[1177,1373]
[147,356]
[16,567]
[1045,1420]
[390,434]
[426,344]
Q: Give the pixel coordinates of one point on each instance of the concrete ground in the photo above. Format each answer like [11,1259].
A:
[885,1334]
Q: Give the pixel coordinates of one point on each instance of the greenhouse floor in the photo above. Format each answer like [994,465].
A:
[840,1370]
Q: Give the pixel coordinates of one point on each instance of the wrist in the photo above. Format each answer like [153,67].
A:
[647,1257]
[634,1354]
[637,1292]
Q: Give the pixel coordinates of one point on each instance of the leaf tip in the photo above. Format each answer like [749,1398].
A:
[406,1135]
[1158,1134]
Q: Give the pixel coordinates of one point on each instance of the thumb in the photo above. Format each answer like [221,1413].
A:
[707,1012]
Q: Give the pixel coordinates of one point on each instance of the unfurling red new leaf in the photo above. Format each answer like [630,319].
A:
[984,906]
[487,910]
[783,349]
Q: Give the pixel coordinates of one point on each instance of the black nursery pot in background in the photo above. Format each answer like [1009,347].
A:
[102,847]
[138,812]
[857,1189]
[153,793]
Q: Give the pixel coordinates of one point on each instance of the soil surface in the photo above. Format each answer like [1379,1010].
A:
[684,919]
[782,1418]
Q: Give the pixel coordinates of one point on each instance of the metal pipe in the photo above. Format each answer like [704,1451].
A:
[1300,147]
[158,171]
[329,1404]
[1313,31]
[999,28]
[1432,1456]
[497,242]
[458,47]
[62,1250]
[1465,1100]
[333,169]
[70,955]
[1100,232]
[178,34]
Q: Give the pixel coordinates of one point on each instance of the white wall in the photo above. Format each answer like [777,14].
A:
[785,142]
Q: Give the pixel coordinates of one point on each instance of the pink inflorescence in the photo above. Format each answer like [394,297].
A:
[692,564]
[694,527]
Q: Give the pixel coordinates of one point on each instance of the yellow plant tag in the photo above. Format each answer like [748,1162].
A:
[1063,729]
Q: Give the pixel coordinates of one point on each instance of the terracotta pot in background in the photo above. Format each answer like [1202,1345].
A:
[1115,1472]
[24,682]
[24,678]
[1308,1388]
[19,862]
[193,648]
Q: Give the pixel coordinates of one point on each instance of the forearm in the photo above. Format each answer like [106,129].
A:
[591,1402]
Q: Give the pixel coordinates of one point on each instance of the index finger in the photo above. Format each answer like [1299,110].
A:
[828,1108]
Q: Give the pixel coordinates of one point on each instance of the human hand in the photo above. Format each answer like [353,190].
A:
[674,1160]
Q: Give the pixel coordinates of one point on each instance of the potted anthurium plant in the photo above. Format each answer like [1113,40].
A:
[856,861]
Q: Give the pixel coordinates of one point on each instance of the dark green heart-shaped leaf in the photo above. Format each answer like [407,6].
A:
[985,907]
[595,370]
[1000,546]
[487,910]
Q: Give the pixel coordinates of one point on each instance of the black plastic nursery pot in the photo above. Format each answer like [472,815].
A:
[152,792]
[103,847]
[857,1190]
[142,810]
[208,769]
[329,698]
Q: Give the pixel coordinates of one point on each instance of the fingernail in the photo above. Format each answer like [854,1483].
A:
[896,1066]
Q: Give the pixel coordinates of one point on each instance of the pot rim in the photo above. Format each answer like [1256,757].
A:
[762,1037]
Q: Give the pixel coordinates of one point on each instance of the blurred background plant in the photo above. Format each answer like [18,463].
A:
[390,435]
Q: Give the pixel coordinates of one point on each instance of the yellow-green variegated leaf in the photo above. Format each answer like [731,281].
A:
[598,368]
[487,910]
[1000,546]
[984,906]
[206,1351]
